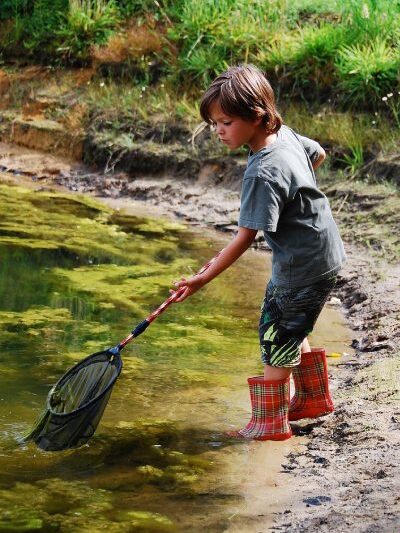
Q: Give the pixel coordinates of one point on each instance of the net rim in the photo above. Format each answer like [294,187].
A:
[73,370]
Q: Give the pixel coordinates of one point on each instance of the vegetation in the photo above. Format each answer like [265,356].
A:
[151,59]
[347,49]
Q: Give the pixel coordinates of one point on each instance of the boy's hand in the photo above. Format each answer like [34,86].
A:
[190,286]
[238,245]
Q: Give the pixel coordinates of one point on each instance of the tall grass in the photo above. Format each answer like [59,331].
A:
[87,22]
[345,50]
[367,71]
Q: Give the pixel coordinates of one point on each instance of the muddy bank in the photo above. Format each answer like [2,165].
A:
[347,475]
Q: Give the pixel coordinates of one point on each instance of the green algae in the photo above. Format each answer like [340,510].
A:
[146,522]
[76,224]
[65,506]
[124,286]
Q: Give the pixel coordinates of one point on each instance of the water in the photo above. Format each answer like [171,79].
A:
[75,278]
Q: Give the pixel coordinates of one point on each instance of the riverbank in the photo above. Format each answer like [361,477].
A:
[346,475]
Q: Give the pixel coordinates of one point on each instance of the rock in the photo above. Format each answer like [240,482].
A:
[384,167]
[371,343]
[318,500]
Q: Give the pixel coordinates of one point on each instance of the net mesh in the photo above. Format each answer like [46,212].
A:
[76,403]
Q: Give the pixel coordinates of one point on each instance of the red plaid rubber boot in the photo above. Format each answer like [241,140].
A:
[311,398]
[270,405]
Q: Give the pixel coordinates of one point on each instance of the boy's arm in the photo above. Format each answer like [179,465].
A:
[239,244]
[320,160]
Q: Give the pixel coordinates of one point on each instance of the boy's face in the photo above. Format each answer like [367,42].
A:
[234,131]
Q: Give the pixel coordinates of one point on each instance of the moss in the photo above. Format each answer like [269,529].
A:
[77,224]
[70,506]
[146,522]
[124,286]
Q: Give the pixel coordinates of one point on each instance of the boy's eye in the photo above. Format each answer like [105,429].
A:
[227,123]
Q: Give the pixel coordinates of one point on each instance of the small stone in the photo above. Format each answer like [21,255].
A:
[318,500]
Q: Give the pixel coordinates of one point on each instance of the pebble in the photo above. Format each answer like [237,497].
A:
[318,500]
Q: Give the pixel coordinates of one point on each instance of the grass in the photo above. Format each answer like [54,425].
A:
[369,131]
[346,50]
[365,71]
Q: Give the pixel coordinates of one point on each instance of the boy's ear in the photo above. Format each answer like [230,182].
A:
[258,121]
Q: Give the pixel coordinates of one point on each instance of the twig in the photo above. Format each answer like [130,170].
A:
[196,132]
[342,203]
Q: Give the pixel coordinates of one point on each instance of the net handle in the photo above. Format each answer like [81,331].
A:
[161,308]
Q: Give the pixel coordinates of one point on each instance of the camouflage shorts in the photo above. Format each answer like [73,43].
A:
[288,315]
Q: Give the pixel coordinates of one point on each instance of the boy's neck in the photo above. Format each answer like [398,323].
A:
[261,140]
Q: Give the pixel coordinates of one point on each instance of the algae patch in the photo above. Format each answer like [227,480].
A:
[49,221]
[66,506]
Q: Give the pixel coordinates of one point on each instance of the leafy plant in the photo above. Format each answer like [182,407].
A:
[354,160]
[366,71]
[87,22]
[15,8]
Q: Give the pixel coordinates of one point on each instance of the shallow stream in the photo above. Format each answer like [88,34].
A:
[76,276]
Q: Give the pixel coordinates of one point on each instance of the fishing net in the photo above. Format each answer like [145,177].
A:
[76,403]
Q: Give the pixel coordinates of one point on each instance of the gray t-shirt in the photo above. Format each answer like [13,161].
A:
[281,197]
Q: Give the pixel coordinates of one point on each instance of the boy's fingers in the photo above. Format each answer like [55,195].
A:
[180,283]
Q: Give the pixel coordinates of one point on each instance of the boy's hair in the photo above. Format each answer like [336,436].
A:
[245,92]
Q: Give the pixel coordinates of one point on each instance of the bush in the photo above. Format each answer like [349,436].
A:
[37,31]
[88,22]
[15,8]
[368,71]
[211,34]
[313,61]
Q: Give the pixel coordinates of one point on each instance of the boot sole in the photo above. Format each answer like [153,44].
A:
[238,436]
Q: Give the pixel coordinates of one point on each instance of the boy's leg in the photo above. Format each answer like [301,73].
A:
[305,347]
[274,373]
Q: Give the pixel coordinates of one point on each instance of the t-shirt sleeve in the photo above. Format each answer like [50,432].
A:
[313,149]
[262,201]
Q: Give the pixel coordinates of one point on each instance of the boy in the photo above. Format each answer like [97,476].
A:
[280,197]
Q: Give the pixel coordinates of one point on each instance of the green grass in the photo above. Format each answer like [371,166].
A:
[347,50]
[367,71]
[370,131]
